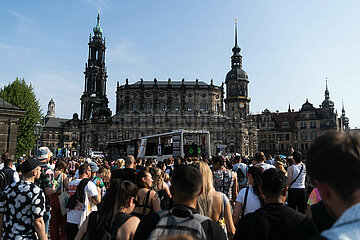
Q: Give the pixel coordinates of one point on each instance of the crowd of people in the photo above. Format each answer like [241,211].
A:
[218,198]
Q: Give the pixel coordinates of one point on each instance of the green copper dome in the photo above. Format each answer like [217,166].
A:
[97,29]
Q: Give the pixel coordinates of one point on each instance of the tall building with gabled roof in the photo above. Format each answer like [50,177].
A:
[298,129]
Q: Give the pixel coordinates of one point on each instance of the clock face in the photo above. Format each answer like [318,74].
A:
[241,105]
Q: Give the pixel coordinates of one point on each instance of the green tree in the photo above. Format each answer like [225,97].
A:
[22,95]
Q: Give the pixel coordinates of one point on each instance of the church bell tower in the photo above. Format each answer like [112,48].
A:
[237,100]
[94,102]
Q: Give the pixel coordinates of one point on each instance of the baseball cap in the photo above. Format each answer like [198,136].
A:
[30,165]
[94,167]
[44,153]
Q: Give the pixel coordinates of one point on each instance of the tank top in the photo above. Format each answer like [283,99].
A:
[300,182]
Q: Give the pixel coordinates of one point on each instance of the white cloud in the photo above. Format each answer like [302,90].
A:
[122,53]
[24,23]
[15,51]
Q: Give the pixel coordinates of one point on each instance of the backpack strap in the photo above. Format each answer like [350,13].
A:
[245,200]
[222,205]
[120,219]
[79,193]
[146,200]
[223,182]
[293,181]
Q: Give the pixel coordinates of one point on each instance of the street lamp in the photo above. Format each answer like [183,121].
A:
[37,132]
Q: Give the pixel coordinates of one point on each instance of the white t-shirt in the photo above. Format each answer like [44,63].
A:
[265,166]
[76,175]
[300,181]
[252,203]
[74,216]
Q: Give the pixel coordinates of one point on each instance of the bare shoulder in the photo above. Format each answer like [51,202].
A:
[217,197]
[128,228]
[132,221]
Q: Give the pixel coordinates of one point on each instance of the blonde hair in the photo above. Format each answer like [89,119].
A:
[120,163]
[205,200]
[106,175]
[280,165]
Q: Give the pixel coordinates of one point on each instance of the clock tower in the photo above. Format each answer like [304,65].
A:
[237,100]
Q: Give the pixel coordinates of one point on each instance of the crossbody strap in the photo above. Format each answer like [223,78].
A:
[293,181]
[146,200]
[120,219]
[222,205]
[245,200]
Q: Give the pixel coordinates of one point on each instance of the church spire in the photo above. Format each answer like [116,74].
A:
[236,59]
[97,29]
[345,120]
[236,49]
[327,103]
[327,93]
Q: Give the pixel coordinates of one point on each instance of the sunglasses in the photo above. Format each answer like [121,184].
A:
[135,202]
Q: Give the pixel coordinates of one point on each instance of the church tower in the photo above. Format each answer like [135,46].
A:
[51,109]
[344,118]
[237,100]
[94,102]
[328,110]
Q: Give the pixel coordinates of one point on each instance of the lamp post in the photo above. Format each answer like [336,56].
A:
[37,132]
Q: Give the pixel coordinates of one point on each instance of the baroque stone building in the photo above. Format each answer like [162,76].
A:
[10,116]
[148,107]
[61,135]
[151,107]
[280,130]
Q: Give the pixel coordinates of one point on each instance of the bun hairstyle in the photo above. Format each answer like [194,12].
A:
[115,200]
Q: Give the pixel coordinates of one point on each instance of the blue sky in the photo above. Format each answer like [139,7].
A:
[288,47]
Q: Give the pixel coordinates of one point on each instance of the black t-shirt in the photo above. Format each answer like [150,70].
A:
[148,223]
[275,221]
[124,174]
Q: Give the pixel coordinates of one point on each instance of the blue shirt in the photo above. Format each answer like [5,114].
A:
[347,227]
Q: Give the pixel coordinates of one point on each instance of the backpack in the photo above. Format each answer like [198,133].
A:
[6,178]
[240,175]
[171,224]
[106,233]
[78,196]
[3,181]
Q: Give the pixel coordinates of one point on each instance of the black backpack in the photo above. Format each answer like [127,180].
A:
[108,232]
[78,196]
[3,181]
[240,175]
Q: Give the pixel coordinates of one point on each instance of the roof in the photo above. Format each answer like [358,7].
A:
[5,105]
[54,122]
[173,84]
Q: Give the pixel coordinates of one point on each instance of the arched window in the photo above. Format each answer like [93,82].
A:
[189,106]
[147,106]
[176,106]
[203,106]
[232,149]
[133,106]
[162,106]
